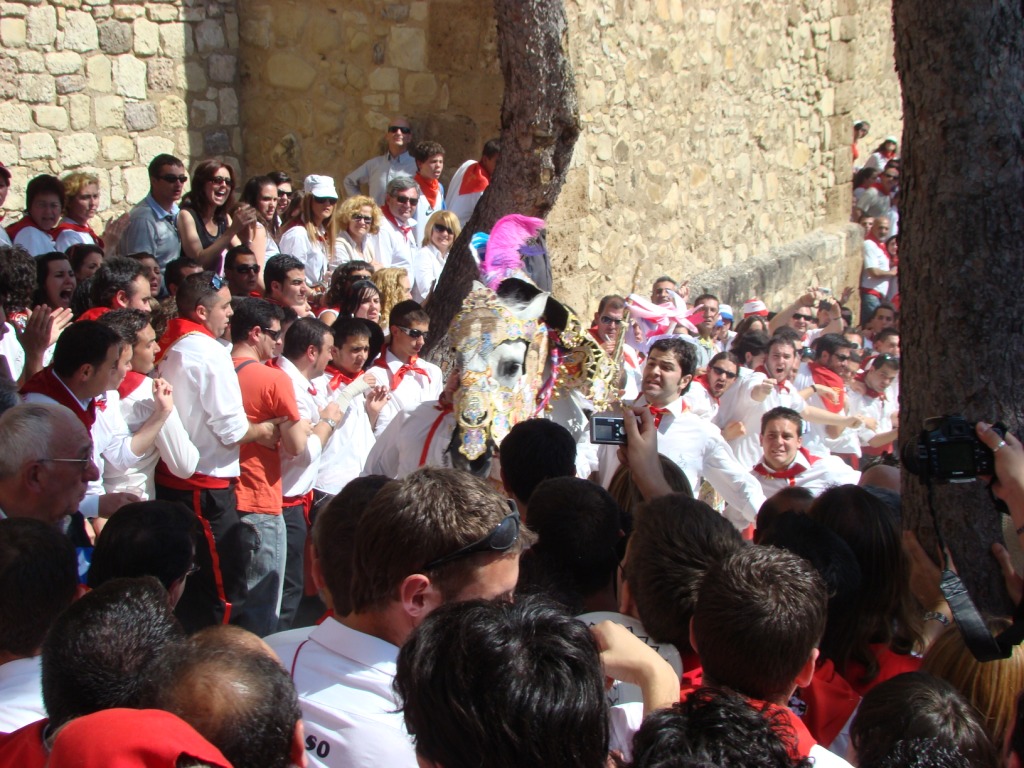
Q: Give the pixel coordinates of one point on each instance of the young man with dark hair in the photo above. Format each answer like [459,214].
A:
[800,316]
[870,398]
[151,223]
[436,536]
[199,368]
[705,398]
[119,283]
[470,181]
[90,361]
[242,269]
[267,395]
[826,377]
[285,279]
[533,451]
[137,397]
[410,381]
[695,445]
[607,326]
[177,270]
[759,617]
[785,463]
[38,580]
[707,346]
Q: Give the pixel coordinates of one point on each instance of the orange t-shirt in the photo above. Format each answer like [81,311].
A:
[267,393]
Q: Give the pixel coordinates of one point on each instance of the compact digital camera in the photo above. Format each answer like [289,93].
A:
[948,451]
[606,429]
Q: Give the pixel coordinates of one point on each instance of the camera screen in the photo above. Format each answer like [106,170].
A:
[956,458]
[609,431]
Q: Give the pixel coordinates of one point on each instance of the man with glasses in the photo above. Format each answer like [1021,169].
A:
[242,270]
[785,462]
[377,172]
[396,240]
[705,398]
[198,366]
[411,381]
[608,324]
[826,377]
[437,536]
[151,223]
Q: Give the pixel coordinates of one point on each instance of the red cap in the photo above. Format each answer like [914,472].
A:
[131,738]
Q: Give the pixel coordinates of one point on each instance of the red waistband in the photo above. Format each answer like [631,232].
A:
[165,477]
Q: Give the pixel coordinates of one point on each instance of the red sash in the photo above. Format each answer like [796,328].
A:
[339,378]
[429,188]
[27,223]
[862,378]
[168,479]
[410,367]
[46,383]
[132,381]
[179,328]
[74,226]
[475,179]
[394,222]
[791,473]
[93,313]
[829,378]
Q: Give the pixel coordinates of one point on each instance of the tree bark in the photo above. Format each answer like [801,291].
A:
[961,65]
[539,127]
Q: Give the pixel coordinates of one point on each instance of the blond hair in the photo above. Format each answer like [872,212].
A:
[75,182]
[447,218]
[352,205]
[389,283]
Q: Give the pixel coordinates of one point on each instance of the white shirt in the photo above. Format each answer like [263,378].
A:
[414,388]
[696,446]
[295,242]
[209,401]
[426,272]
[747,448]
[35,241]
[70,237]
[298,473]
[21,693]
[459,204]
[815,473]
[172,445]
[13,352]
[699,401]
[398,449]
[376,173]
[345,249]
[344,681]
[875,258]
[5,239]
[395,248]
[881,409]
[345,454]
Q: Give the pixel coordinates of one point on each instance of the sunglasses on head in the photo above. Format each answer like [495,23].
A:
[723,372]
[243,269]
[403,200]
[443,228]
[412,333]
[172,178]
[217,282]
[399,129]
[501,539]
[325,200]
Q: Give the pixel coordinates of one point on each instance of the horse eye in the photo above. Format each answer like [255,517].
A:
[510,369]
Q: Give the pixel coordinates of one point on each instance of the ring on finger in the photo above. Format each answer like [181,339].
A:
[1000,444]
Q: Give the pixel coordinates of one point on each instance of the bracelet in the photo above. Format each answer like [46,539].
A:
[936,616]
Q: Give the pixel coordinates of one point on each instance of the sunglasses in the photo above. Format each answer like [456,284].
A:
[171,178]
[412,333]
[219,180]
[610,320]
[217,282]
[275,335]
[805,318]
[243,269]
[399,129]
[289,195]
[500,539]
[325,200]
[843,358]
[890,176]
[403,200]
[723,372]
[361,217]
[443,228]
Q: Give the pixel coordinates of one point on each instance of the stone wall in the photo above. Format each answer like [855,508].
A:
[102,86]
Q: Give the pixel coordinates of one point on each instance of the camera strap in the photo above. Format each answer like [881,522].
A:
[981,643]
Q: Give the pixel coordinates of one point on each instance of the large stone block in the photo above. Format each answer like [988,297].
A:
[78,149]
[36,89]
[127,12]
[383,79]
[420,89]
[407,48]
[8,78]
[115,37]
[255,32]
[118,149]
[286,70]
[223,67]
[151,146]
[80,111]
[15,117]
[160,74]
[63,62]
[173,112]
[162,13]
[80,33]
[140,115]
[70,84]
[36,146]
[130,77]
[210,36]
[109,112]
[99,73]
[12,33]
[31,61]
[147,37]
[227,103]
[216,143]
[136,180]
[42,26]
[51,117]
[204,113]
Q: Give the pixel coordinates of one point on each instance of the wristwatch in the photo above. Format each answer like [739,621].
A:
[330,422]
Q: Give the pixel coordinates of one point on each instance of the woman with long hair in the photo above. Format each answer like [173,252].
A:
[441,230]
[55,281]
[362,301]
[394,287]
[85,260]
[260,193]
[206,228]
[311,235]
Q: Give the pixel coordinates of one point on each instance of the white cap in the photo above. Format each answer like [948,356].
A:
[320,186]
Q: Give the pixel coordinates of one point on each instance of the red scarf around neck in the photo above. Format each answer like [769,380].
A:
[475,179]
[74,226]
[339,378]
[862,377]
[429,187]
[179,328]
[790,473]
[27,223]
[132,381]
[394,222]
[703,381]
[46,383]
[410,367]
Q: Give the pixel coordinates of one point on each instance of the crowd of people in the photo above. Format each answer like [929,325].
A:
[201,562]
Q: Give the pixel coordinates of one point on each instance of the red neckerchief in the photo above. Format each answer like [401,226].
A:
[795,469]
[132,381]
[339,378]
[779,385]
[26,223]
[475,179]
[410,367]
[703,381]
[429,188]
[394,222]
[829,378]
[873,394]
[178,328]
[46,383]
[93,313]
[74,226]
[657,413]
[830,701]
[788,727]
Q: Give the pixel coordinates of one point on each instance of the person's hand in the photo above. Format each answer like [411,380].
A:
[42,329]
[115,228]
[242,217]
[268,433]
[451,386]
[846,294]
[640,453]
[626,657]
[869,421]
[163,396]
[376,399]
[1008,483]
[111,502]
[331,411]
[733,430]
[924,573]
[854,422]
[810,298]
[1014,582]
[763,389]
[370,379]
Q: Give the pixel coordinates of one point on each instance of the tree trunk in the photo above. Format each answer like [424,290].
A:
[961,65]
[539,127]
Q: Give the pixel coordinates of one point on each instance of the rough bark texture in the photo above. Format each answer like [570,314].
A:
[961,65]
[539,127]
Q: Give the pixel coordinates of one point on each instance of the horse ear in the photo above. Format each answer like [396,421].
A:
[535,308]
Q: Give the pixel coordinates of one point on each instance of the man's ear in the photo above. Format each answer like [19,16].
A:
[693,639]
[418,596]
[803,679]
[121,300]
[317,572]
[298,754]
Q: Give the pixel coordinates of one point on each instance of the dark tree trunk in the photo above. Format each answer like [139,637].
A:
[539,127]
[961,65]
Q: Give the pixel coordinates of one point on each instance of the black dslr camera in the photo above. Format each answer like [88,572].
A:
[948,451]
